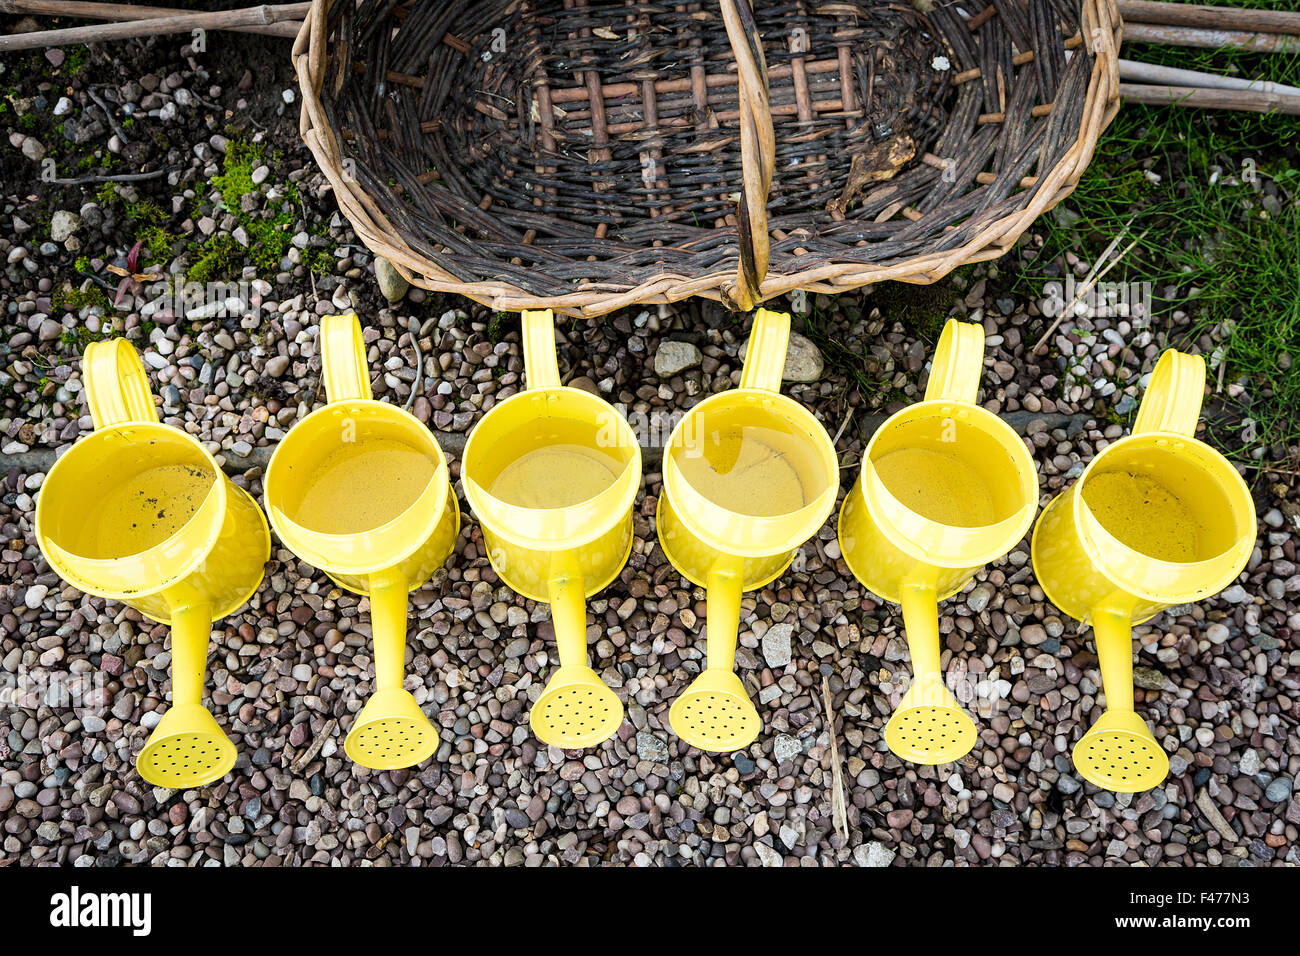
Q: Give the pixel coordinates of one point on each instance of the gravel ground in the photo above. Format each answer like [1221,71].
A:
[1218,680]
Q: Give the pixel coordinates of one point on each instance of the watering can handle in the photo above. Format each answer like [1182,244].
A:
[541,370]
[117,389]
[765,357]
[958,363]
[1172,402]
[343,358]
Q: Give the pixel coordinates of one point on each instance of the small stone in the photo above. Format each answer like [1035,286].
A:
[785,747]
[803,360]
[979,598]
[276,365]
[1236,595]
[672,358]
[873,854]
[651,748]
[1150,679]
[777,645]
[392,283]
[1279,790]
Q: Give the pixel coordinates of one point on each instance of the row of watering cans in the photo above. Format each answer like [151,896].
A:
[141,513]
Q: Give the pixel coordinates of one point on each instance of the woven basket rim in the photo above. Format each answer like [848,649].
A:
[1099,19]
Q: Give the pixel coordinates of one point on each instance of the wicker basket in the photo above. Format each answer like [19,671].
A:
[586,155]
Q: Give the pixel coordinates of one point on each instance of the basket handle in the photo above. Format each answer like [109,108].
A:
[757,150]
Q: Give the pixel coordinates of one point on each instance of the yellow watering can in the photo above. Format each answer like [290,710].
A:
[1156,519]
[360,489]
[139,512]
[946,487]
[551,474]
[749,476]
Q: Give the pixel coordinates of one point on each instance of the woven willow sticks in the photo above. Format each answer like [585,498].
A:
[586,155]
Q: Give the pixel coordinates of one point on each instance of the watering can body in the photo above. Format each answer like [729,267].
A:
[699,534]
[140,512]
[946,487]
[740,534]
[1180,529]
[360,489]
[560,531]
[528,546]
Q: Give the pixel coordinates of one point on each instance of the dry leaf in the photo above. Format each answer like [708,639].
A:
[877,163]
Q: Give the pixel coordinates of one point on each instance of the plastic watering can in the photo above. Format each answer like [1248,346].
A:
[551,473]
[946,487]
[1156,519]
[360,489]
[139,512]
[749,476]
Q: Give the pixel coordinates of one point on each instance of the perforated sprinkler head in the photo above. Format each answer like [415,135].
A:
[929,725]
[576,710]
[391,732]
[715,713]
[1120,753]
[186,749]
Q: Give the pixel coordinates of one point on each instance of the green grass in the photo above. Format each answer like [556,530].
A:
[1230,246]
[269,238]
[73,300]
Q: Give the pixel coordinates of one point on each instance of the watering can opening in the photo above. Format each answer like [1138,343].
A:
[955,482]
[551,468]
[751,472]
[356,486]
[130,510]
[1167,517]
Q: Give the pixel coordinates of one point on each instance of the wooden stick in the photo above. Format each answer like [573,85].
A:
[1211,39]
[110,178]
[1202,98]
[1173,76]
[127,11]
[1214,18]
[98,33]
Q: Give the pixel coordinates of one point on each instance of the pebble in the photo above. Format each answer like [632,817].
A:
[1279,790]
[874,853]
[392,284]
[785,747]
[673,358]
[651,748]
[777,645]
